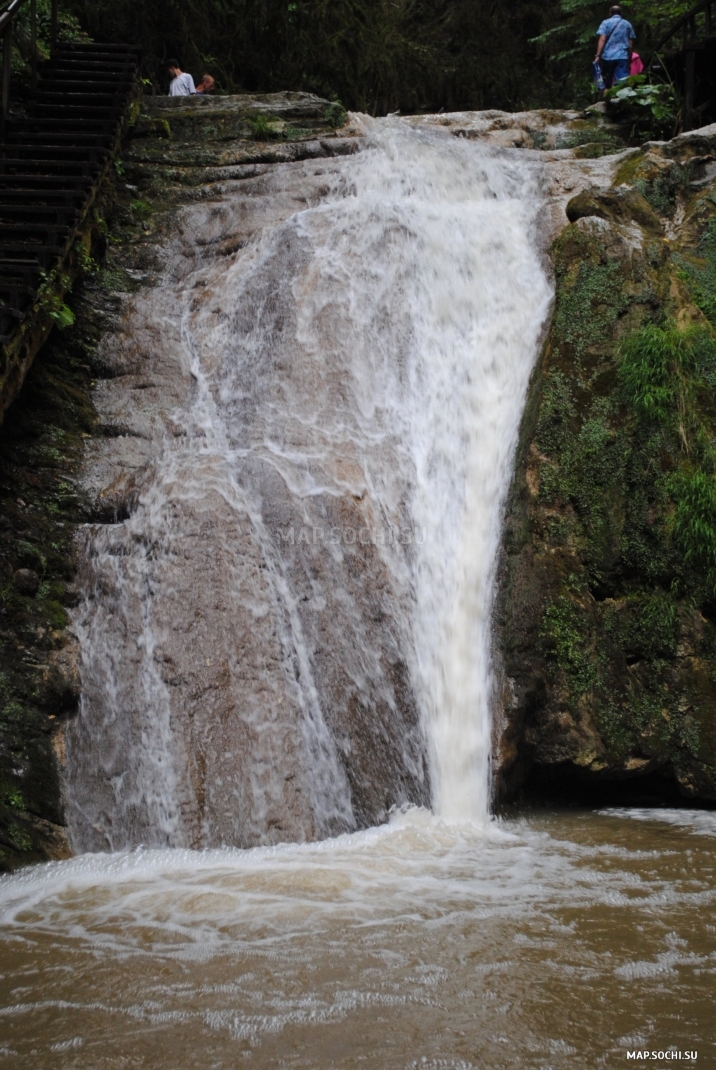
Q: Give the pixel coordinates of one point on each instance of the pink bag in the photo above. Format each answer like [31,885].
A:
[636,65]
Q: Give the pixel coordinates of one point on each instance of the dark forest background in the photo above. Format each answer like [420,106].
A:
[377,55]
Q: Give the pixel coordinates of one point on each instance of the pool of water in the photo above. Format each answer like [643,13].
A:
[550,940]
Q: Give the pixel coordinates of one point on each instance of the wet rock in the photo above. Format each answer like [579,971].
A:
[26,581]
[184,137]
[63,682]
[616,205]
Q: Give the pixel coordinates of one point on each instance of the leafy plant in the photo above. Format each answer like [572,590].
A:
[648,105]
[653,369]
[336,115]
[666,372]
[694,522]
[61,313]
[263,127]
[50,302]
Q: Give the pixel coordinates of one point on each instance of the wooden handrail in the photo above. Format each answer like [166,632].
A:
[9,13]
[689,18]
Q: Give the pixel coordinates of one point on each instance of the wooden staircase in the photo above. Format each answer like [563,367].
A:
[52,160]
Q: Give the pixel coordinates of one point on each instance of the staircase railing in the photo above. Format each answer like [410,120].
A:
[687,24]
[7,18]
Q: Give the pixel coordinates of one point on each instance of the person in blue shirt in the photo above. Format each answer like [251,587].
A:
[614,47]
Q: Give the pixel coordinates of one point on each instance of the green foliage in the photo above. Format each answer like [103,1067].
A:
[586,311]
[61,314]
[662,191]
[263,127]
[13,798]
[19,837]
[141,209]
[663,370]
[336,115]
[644,625]
[655,368]
[652,109]
[49,299]
[699,271]
[373,55]
[601,141]
[86,262]
[68,29]
[565,629]
[694,522]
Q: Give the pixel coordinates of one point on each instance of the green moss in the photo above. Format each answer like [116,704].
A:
[565,631]
[556,413]
[13,798]
[698,271]
[20,837]
[615,729]
[336,115]
[538,138]
[595,137]
[590,294]
[627,171]
[663,190]
[643,626]
[141,209]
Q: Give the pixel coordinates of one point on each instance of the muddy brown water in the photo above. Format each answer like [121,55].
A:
[551,940]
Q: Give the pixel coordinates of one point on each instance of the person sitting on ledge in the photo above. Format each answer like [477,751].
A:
[206,85]
[182,85]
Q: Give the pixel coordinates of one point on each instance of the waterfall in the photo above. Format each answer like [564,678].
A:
[290,633]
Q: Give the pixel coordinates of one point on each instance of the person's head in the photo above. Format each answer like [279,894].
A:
[173,67]
[615,9]
[207,83]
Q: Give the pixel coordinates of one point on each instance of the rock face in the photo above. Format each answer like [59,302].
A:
[221,650]
[194,140]
[607,600]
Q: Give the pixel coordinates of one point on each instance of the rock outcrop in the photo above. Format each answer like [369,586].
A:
[607,599]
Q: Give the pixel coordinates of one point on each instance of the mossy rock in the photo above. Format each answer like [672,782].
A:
[606,622]
[617,205]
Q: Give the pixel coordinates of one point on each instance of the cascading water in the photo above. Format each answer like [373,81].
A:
[297,611]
